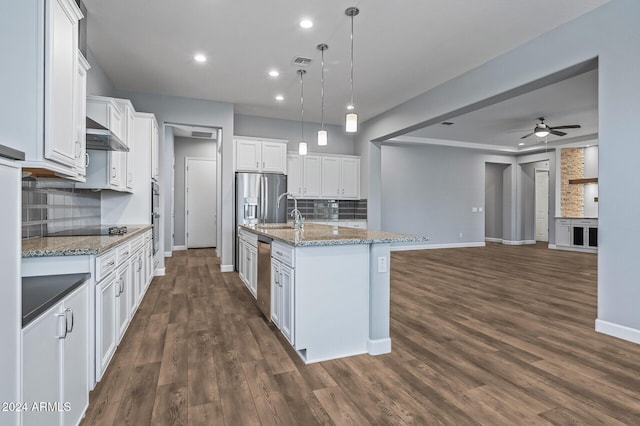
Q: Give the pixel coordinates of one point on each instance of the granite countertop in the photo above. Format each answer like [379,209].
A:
[327,235]
[77,246]
[41,293]
[574,217]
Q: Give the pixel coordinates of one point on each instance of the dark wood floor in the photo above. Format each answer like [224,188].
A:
[499,335]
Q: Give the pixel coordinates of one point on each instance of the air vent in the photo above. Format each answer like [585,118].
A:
[300,61]
[447,123]
[204,135]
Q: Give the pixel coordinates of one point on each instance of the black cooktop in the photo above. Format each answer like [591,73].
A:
[91,231]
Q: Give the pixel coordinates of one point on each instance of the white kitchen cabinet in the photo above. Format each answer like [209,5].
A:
[260,155]
[55,361]
[294,175]
[155,165]
[252,269]
[282,290]
[123,293]
[341,177]
[248,261]
[106,332]
[148,263]
[41,100]
[127,159]
[563,232]
[311,176]
[80,116]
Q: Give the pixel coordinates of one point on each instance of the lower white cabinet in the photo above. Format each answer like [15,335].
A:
[248,261]
[282,290]
[55,362]
[123,293]
[106,332]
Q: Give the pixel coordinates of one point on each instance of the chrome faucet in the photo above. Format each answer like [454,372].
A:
[295,213]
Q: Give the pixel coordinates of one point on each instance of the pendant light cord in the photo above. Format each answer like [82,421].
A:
[322,91]
[352,105]
[301,104]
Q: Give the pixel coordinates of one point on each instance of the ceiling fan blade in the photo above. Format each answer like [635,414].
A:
[557,133]
[526,136]
[570,126]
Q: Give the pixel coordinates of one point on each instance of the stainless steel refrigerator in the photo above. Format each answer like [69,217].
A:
[256,200]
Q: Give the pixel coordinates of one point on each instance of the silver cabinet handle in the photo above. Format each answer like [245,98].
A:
[70,330]
[78,146]
[257,165]
[113,262]
[279,252]
[86,161]
[126,253]
[263,164]
[64,336]
[114,172]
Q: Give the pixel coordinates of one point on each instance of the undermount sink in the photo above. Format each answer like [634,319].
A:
[275,226]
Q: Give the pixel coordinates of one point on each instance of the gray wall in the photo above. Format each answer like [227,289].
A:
[197,112]
[590,189]
[186,147]
[98,83]
[431,190]
[339,142]
[608,33]
[493,200]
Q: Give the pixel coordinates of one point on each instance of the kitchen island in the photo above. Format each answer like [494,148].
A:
[330,288]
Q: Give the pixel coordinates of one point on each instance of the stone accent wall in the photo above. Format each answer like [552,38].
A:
[572,196]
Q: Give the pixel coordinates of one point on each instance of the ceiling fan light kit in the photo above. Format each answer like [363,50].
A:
[543,130]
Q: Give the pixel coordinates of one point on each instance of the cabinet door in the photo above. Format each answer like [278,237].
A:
[80,116]
[106,332]
[41,365]
[242,261]
[149,263]
[253,270]
[122,300]
[286,316]
[115,168]
[331,177]
[350,178]
[129,157]
[274,157]
[248,154]
[155,168]
[312,176]
[276,292]
[140,284]
[76,355]
[294,175]
[133,296]
[61,66]
[563,235]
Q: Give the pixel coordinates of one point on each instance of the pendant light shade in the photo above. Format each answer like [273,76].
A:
[302,145]
[322,133]
[351,119]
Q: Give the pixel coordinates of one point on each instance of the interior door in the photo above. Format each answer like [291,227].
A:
[200,203]
[542,205]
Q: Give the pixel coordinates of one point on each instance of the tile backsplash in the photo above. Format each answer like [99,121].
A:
[52,205]
[330,209]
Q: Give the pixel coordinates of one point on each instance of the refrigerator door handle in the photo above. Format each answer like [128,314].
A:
[265,201]
[261,201]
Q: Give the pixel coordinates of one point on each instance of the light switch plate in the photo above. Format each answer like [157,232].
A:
[382,264]
[474,210]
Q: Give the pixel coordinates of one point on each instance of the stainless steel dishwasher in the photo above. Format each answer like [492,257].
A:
[264,276]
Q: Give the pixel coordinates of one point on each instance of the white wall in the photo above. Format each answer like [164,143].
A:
[339,142]
[196,112]
[609,33]
[98,83]
[186,147]
[590,189]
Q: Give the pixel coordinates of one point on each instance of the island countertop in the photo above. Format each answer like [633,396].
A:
[77,245]
[327,235]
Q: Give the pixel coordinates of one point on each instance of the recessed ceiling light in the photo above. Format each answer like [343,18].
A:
[521,143]
[274,73]
[279,98]
[199,57]
[306,24]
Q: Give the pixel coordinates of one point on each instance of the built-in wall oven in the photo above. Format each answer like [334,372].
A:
[155,215]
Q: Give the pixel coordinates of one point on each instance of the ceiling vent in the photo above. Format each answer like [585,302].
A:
[301,61]
[203,135]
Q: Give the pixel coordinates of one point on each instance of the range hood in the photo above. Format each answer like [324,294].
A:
[102,139]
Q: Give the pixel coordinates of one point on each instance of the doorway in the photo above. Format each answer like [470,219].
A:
[542,205]
[200,202]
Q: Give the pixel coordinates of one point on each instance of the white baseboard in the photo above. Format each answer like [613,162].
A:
[217,253]
[493,240]
[379,346]
[436,246]
[518,243]
[179,248]
[619,331]
[168,254]
[579,249]
[159,272]
[552,246]
[226,268]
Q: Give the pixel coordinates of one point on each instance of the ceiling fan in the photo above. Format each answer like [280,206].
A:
[541,130]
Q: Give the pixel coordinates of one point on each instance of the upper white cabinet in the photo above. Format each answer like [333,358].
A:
[80,115]
[260,155]
[44,91]
[155,167]
[324,176]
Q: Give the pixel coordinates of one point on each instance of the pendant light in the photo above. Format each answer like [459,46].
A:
[351,122]
[322,133]
[302,145]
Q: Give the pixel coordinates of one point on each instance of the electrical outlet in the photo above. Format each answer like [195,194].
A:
[460,235]
[480,209]
[474,210]
[382,264]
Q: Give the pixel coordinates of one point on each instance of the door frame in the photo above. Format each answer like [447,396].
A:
[186,195]
[535,204]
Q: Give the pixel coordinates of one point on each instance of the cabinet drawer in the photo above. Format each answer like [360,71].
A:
[147,236]
[563,221]
[584,222]
[124,251]
[105,264]
[282,252]
[137,244]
